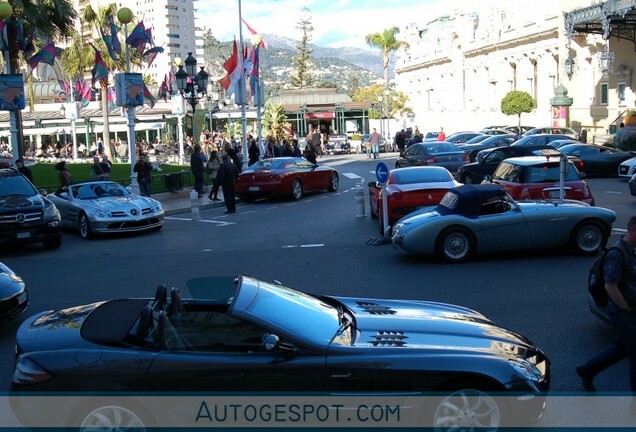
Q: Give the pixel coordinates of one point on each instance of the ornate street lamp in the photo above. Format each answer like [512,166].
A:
[606,59]
[192,85]
[569,66]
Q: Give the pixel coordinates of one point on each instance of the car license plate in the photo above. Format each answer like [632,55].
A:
[22,298]
[254,188]
[24,235]
[555,194]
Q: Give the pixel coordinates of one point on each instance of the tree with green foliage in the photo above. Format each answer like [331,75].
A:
[303,77]
[397,103]
[387,42]
[275,121]
[50,20]
[517,102]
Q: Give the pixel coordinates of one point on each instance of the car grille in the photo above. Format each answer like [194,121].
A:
[19,218]
[389,339]
[124,225]
[124,214]
[375,309]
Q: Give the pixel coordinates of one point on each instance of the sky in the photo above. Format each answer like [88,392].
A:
[337,23]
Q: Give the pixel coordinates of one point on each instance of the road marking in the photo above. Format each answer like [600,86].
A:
[351,176]
[312,245]
[248,212]
[271,208]
[619,231]
[309,200]
[290,204]
[219,223]
[614,192]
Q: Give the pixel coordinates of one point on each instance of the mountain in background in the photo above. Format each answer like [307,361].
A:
[345,68]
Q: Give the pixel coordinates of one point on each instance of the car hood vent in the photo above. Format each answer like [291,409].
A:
[385,338]
[375,309]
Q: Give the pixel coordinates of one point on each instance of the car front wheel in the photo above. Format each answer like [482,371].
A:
[84,227]
[297,189]
[589,237]
[467,410]
[335,182]
[456,244]
[112,418]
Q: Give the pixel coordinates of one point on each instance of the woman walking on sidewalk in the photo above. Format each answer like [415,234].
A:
[213,169]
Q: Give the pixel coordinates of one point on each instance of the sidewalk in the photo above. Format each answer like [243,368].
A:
[179,202]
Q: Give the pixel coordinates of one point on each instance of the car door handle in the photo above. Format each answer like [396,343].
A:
[341,376]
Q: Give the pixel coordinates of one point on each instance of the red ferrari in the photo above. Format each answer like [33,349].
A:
[291,176]
[409,189]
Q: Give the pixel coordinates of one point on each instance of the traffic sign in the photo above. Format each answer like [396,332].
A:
[381,172]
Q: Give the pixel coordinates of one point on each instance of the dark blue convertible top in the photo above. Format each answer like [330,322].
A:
[466,199]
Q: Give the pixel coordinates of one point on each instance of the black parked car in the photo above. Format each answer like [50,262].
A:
[436,153]
[596,160]
[461,137]
[473,148]
[247,335]
[488,160]
[14,298]
[26,216]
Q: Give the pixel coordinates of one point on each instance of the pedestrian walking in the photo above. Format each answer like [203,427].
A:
[213,170]
[620,284]
[197,165]
[374,140]
[310,152]
[253,152]
[227,175]
[400,141]
[22,169]
[441,136]
[143,168]
[64,175]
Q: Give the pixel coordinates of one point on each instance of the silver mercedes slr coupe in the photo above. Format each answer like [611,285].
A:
[100,207]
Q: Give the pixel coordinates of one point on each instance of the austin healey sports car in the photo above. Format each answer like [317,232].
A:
[246,335]
[99,207]
[484,219]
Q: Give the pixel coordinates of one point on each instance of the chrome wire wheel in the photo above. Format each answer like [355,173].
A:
[297,189]
[456,245]
[467,410]
[589,238]
[112,418]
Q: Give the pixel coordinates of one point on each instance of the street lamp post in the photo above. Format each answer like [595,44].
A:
[380,105]
[125,16]
[70,111]
[193,85]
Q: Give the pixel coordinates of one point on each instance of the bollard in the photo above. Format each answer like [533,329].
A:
[194,204]
[360,207]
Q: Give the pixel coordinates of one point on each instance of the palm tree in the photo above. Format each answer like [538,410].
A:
[50,20]
[275,120]
[388,43]
[79,58]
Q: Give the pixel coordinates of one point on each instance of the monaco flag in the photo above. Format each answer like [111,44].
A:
[231,65]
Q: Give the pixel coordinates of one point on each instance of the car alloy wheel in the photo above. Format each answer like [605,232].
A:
[112,418]
[589,237]
[335,183]
[297,189]
[84,226]
[467,410]
[456,244]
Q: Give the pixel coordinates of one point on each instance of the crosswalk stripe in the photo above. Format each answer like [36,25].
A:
[351,175]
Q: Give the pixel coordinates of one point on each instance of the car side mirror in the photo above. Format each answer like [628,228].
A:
[487,179]
[270,342]
[43,192]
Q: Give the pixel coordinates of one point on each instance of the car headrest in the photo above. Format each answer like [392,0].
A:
[161,297]
[176,304]
[159,335]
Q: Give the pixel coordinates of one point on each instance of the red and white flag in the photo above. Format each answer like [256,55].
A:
[231,65]
[254,32]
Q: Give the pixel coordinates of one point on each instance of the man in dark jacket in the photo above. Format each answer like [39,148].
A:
[197,164]
[143,168]
[227,175]
[24,170]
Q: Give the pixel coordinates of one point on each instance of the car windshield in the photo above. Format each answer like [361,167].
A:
[293,311]
[425,175]
[16,185]
[90,191]
[441,148]
[269,164]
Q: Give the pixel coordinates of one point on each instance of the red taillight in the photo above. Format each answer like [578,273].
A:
[466,158]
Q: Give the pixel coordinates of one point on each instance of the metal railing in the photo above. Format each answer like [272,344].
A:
[164,182]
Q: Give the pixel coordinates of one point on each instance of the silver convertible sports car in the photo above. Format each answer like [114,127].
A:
[96,207]
[484,218]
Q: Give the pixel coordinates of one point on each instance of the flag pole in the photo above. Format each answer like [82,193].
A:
[242,91]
